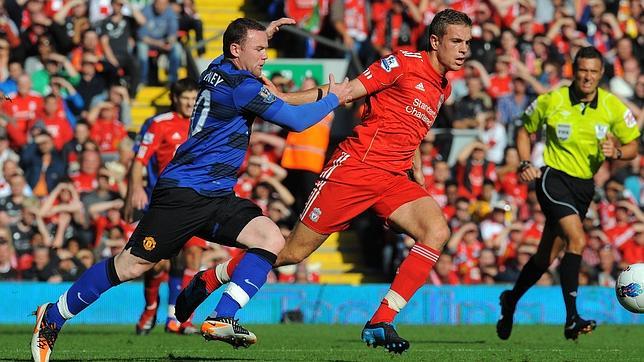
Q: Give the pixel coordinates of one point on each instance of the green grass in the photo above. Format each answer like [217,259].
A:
[335,343]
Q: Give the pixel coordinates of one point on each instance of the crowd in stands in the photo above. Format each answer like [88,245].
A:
[69,69]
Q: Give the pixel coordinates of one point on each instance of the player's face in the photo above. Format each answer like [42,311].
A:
[588,74]
[251,53]
[452,49]
[186,102]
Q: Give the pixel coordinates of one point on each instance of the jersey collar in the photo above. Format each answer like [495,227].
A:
[574,100]
[433,73]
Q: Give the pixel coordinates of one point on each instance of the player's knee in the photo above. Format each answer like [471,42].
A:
[577,245]
[437,236]
[273,243]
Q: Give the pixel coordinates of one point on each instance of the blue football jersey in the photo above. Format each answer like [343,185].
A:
[227,104]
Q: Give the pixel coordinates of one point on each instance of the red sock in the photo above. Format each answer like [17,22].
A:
[151,283]
[212,283]
[412,274]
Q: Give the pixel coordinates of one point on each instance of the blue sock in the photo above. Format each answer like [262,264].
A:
[247,279]
[174,288]
[85,291]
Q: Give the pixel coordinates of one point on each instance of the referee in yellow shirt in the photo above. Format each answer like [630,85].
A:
[578,122]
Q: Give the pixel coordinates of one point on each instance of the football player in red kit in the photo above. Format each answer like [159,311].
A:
[404,93]
[157,143]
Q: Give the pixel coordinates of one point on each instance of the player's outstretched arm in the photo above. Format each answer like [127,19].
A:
[356,91]
[274,26]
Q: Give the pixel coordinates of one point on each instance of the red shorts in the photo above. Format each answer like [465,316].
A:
[347,187]
[195,241]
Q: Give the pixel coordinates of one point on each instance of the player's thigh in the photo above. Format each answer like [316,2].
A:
[345,189]
[300,243]
[173,217]
[409,207]
[240,223]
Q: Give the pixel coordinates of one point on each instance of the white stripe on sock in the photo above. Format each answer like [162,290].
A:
[63,309]
[424,252]
[395,301]
[238,294]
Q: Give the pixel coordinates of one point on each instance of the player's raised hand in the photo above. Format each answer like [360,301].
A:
[274,26]
[341,90]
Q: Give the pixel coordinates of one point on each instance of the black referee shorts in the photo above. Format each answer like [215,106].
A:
[177,214]
[560,194]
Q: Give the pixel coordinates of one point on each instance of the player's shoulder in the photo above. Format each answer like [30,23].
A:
[400,59]
[163,117]
[225,72]
[608,99]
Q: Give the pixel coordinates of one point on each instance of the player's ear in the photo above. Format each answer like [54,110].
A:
[235,49]
[433,42]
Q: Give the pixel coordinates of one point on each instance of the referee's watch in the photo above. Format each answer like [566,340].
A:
[524,165]
[619,154]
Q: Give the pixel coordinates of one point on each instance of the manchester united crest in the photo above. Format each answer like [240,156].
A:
[149,243]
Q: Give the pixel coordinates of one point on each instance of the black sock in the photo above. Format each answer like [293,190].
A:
[569,275]
[530,273]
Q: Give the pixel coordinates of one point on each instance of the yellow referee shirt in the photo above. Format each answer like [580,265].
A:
[575,130]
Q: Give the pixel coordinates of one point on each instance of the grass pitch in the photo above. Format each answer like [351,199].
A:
[334,343]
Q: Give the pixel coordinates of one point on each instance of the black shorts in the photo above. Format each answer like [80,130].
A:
[561,195]
[177,214]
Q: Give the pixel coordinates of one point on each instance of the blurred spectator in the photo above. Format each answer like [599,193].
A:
[55,122]
[94,79]
[65,213]
[511,270]
[7,257]
[43,165]
[471,107]
[607,270]
[350,19]
[466,248]
[189,21]
[72,149]
[69,267]
[86,257]
[159,34]
[473,169]
[85,180]
[44,269]
[6,153]
[11,205]
[105,128]
[9,82]
[494,136]
[117,34]
[632,250]
[55,65]
[20,112]
[9,169]
[72,15]
[399,29]
[444,272]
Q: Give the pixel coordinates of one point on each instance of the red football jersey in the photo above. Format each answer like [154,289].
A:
[405,94]
[166,133]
